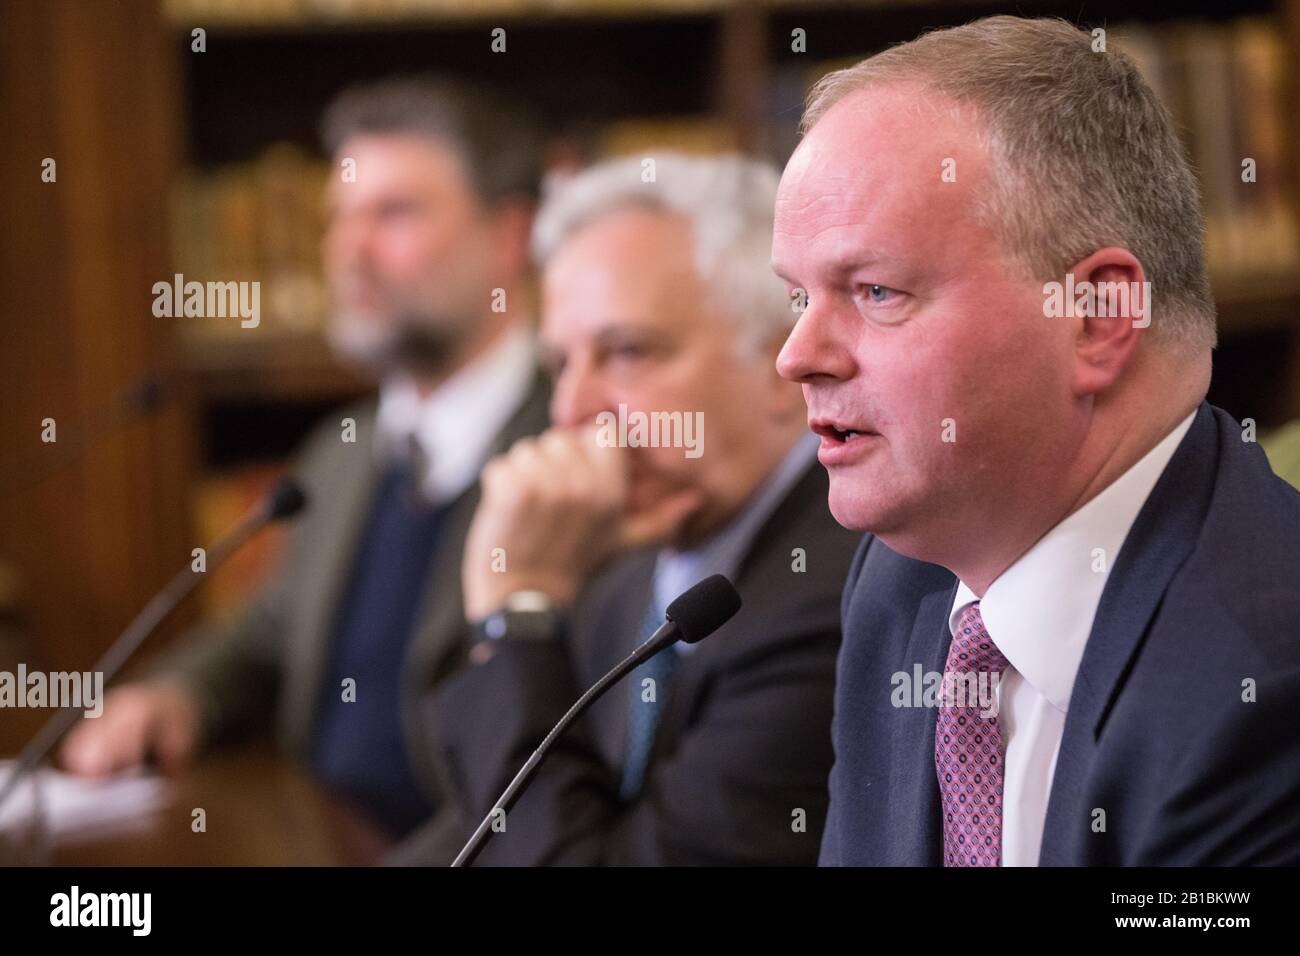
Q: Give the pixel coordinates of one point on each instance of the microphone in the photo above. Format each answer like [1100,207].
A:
[284,500]
[693,616]
[134,403]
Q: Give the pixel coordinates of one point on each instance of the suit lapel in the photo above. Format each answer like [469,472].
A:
[618,633]
[1162,536]
[440,637]
[914,788]
[441,630]
[696,667]
[344,495]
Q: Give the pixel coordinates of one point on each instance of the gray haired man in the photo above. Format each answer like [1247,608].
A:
[675,454]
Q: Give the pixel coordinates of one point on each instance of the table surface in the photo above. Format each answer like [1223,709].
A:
[262,810]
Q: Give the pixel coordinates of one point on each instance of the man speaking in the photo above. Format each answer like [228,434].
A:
[1073,638]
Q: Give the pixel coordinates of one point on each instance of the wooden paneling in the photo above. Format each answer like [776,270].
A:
[93,86]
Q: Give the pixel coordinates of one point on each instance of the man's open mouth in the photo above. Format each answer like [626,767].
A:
[840,432]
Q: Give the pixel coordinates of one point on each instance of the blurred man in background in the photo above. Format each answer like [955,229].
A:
[426,251]
[657,300]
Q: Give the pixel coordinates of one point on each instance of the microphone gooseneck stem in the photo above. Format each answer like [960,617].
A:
[665,636]
[144,624]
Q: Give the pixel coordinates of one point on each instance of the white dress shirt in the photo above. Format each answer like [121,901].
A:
[457,422]
[1039,613]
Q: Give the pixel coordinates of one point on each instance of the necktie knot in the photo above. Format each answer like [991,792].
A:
[410,467]
[972,649]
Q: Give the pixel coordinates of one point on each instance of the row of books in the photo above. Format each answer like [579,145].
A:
[263,221]
[255,222]
[281,12]
[1226,86]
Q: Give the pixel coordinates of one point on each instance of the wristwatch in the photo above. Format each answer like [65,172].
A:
[525,616]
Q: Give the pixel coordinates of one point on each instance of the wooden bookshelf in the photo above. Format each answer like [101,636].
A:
[103,525]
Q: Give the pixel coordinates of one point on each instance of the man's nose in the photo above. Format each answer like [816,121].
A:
[577,397]
[813,351]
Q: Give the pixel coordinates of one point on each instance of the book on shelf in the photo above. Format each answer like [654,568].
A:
[1224,85]
[255,222]
[220,500]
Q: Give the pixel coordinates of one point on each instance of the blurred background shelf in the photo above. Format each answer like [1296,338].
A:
[1257,304]
[284,369]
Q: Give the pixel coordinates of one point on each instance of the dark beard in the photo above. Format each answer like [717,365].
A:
[423,350]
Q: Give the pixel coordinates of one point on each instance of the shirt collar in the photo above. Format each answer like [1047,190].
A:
[458,422]
[1039,612]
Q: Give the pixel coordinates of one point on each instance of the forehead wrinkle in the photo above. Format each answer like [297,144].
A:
[860,177]
[841,230]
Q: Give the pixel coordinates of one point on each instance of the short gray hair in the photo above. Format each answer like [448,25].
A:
[729,201]
[496,138]
[1084,154]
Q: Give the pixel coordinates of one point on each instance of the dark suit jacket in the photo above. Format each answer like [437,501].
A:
[743,743]
[1205,595]
[270,661]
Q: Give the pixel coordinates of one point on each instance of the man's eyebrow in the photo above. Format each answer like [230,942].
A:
[623,328]
[845,263]
[849,261]
[611,333]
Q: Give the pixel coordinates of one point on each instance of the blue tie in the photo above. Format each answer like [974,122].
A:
[644,714]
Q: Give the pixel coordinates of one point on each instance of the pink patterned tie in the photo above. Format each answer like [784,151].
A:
[968,747]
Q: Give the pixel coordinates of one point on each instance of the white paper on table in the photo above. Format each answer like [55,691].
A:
[77,806]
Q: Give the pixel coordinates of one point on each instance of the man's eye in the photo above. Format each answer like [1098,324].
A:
[878,293]
[628,352]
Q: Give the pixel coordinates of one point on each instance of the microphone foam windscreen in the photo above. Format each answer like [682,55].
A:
[704,608]
[285,500]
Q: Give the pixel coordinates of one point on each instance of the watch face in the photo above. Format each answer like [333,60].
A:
[495,626]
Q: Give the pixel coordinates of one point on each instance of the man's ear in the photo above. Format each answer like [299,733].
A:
[1109,304]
